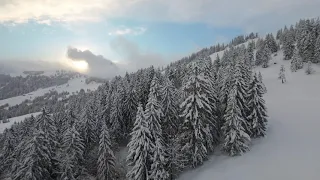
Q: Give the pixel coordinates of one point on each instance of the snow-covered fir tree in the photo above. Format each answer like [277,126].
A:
[116,116]
[279,34]
[271,43]
[261,82]
[71,155]
[236,140]
[309,69]
[140,146]
[158,169]
[250,51]
[316,58]
[153,111]
[106,160]
[170,108]
[288,44]
[282,75]
[196,137]
[266,57]
[87,128]
[257,108]
[296,62]
[130,107]
[306,41]
[35,159]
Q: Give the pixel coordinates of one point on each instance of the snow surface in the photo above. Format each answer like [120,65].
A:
[75,85]
[291,149]
[17,119]
[220,53]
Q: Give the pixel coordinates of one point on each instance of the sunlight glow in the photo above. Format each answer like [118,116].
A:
[80,66]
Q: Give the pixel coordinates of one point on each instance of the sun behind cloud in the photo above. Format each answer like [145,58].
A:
[80,66]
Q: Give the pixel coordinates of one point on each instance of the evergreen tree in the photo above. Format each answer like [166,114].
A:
[236,139]
[158,167]
[296,62]
[266,57]
[288,44]
[140,146]
[116,117]
[250,51]
[35,161]
[309,69]
[196,137]
[257,108]
[271,43]
[279,34]
[130,106]
[153,111]
[282,75]
[316,58]
[88,125]
[106,161]
[46,124]
[261,82]
[217,64]
[71,157]
[306,41]
[170,108]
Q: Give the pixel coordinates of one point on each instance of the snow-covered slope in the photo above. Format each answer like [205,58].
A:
[220,53]
[3,126]
[73,85]
[291,149]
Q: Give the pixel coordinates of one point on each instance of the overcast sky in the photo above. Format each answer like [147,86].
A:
[136,32]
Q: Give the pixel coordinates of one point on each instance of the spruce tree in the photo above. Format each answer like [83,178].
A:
[71,157]
[257,108]
[140,146]
[266,57]
[106,160]
[236,139]
[153,111]
[306,42]
[170,108]
[282,75]
[316,58]
[46,124]
[296,62]
[196,138]
[35,160]
[261,82]
[88,125]
[158,169]
[309,69]
[288,44]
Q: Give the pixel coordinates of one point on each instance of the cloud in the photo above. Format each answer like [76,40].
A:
[129,31]
[133,57]
[246,14]
[98,65]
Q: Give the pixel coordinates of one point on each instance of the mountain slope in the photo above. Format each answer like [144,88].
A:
[290,150]
[73,85]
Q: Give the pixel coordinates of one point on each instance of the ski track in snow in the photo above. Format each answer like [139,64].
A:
[291,148]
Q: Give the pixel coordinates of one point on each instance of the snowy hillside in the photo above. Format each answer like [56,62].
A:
[290,150]
[4,126]
[220,53]
[73,85]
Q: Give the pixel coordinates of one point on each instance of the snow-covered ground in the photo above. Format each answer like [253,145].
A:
[73,85]
[17,119]
[291,149]
[220,53]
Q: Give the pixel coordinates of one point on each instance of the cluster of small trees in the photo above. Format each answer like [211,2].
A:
[306,36]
